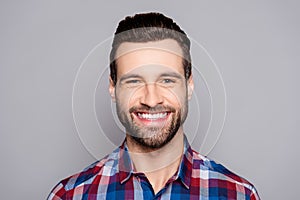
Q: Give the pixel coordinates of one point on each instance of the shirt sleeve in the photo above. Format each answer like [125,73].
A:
[57,192]
[254,195]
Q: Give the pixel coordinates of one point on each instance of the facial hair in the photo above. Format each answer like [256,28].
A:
[152,137]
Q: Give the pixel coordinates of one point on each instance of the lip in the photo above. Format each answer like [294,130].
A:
[152,118]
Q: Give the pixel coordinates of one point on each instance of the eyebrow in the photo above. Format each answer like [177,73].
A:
[172,74]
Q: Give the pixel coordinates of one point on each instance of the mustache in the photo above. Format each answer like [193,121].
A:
[158,108]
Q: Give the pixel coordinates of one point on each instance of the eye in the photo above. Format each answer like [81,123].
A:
[168,80]
[132,81]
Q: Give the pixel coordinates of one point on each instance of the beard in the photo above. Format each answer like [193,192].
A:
[152,137]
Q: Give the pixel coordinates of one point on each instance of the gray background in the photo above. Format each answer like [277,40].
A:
[255,45]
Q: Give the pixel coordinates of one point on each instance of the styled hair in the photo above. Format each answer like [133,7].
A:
[149,27]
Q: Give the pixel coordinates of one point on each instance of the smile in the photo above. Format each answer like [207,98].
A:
[153,116]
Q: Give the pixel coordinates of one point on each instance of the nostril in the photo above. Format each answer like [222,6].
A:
[151,96]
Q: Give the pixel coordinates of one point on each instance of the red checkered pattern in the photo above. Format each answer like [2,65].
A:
[113,177]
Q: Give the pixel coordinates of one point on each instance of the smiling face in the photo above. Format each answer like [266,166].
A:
[151,92]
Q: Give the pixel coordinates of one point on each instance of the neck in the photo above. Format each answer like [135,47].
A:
[158,165]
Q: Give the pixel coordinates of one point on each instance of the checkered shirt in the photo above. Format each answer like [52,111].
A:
[113,177]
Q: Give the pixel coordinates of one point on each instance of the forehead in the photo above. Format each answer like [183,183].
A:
[134,56]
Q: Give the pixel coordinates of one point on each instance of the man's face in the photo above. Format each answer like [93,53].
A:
[151,92]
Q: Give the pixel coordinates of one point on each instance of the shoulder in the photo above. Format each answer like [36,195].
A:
[217,175]
[107,166]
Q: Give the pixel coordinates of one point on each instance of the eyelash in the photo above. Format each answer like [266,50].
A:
[132,81]
[168,80]
[135,82]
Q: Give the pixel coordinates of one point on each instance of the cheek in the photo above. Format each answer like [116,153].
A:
[127,98]
[176,96]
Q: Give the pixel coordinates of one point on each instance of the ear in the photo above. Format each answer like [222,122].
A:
[112,90]
[190,87]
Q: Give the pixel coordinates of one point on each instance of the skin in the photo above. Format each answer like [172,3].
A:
[151,82]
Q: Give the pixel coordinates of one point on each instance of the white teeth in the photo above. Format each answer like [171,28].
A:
[152,116]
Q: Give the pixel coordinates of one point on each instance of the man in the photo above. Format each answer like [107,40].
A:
[151,83]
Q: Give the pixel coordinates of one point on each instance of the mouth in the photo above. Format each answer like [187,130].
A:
[150,117]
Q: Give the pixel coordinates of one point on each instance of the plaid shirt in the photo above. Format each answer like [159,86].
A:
[113,177]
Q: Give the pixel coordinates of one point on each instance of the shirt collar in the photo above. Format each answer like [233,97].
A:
[185,168]
[125,163]
[184,171]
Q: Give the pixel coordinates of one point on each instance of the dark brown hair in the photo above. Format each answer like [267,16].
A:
[146,27]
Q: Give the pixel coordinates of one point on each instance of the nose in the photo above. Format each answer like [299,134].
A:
[151,96]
